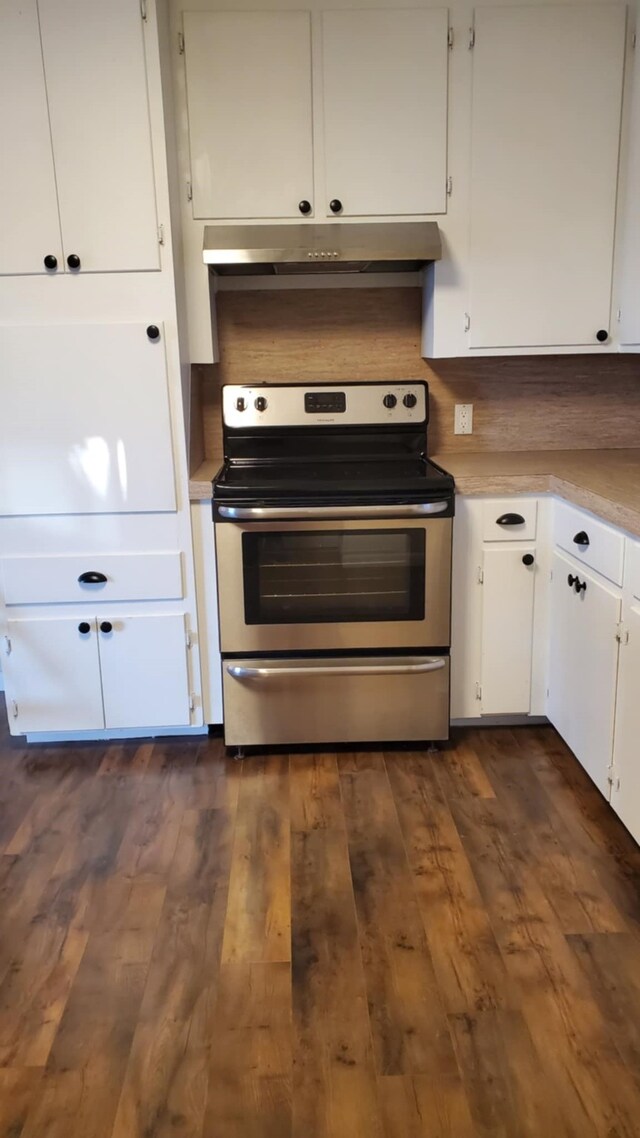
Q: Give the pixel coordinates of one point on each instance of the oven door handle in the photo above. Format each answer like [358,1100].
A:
[284,513]
[390,667]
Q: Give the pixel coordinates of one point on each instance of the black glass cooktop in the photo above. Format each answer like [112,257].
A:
[406,478]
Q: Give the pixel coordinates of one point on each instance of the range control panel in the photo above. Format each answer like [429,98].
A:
[302,405]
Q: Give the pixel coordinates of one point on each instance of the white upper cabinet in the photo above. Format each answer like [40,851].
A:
[630,223]
[546,106]
[75,136]
[384,92]
[85,424]
[101,132]
[250,118]
[29,225]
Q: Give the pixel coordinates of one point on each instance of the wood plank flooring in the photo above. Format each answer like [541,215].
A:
[377,945]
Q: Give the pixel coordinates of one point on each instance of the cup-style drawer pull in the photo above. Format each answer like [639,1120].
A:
[581,538]
[510,520]
[92,578]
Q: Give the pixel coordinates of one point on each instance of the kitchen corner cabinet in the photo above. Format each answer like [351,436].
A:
[583,661]
[546,107]
[85,424]
[342,113]
[81,195]
[88,673]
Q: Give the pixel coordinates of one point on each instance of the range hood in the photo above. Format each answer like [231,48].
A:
[347,247]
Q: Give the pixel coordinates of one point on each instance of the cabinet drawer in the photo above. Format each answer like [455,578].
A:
[129,577]
[509,519]
[632,568]
[598,545]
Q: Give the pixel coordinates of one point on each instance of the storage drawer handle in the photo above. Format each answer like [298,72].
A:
[510,520]
[388,668]
[582,538]
[92,578]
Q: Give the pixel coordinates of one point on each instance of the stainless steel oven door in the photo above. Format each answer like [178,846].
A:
[334,578]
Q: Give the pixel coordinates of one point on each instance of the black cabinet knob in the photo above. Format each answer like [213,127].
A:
[84,627]
[510,520]
[571,580]
[304,206]
[409,400]
[580,586]
[389,400]
[106,626]
[582,538]
[602,336]
[528,559]
[335,205]
[50,261]
[153,332]
[91,578]
[73,261]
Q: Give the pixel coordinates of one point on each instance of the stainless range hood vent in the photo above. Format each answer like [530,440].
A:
[279,250]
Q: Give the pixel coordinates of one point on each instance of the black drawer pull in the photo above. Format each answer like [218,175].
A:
[510,520]
[91,578]
[581,538]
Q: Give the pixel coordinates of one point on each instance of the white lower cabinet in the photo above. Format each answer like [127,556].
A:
[508,584]
[86,673]
[583,662]
[625,791]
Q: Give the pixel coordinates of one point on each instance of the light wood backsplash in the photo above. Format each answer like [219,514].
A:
[519,402]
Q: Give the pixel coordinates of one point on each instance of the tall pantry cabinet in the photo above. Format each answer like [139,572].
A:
[98,619]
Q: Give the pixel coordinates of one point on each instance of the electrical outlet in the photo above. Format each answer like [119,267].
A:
[463,422]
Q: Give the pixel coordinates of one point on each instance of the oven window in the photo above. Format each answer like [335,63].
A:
[329,575]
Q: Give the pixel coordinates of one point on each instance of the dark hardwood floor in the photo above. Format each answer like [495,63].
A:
[375,945]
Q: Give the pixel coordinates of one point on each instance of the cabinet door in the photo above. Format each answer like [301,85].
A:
[385,110]
[85,422]
[29,224]
[583,666]
[96,82]
[144,672]
[630,243]
[52,676]
[625,795]
[547,92]
[507,630]
[249,98]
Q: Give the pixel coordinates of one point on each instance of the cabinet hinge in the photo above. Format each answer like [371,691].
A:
[622,634]
[14,709]
[7,645]
[449,186]
[634,40]
[189,640]
[180,43]
[618,315]
[192,702]
[143,9]
[189,190]
[450,37]
[478,691]
[161,235]
[472,38]
[480,575]
[467,322]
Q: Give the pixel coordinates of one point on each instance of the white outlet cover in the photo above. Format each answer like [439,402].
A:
[463,419]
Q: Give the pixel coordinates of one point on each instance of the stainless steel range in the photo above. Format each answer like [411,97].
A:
[333,544]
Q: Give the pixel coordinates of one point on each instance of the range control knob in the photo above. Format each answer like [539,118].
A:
[389,400]
[410,400]
[260,403]
[241,404]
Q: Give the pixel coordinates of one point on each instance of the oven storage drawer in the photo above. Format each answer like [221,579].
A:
[335,699]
